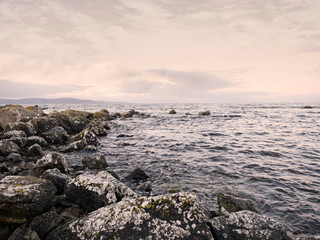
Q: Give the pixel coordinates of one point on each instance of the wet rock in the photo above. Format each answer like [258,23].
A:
[62,119]
[9,168]
[50,161]
[172,111]
[78,124]
[21,142]
[43,124]
[178,216]
[93,191]
[87,137]
[146,186]
[90,148]
[4,231]
[137,174]
[235,204]
[124,136]
[103,115]
[22,198]
[97,127]
[57,178]
[246,225]
[307,107]
[35,151]
[24,234]
[45,223]
[75,113]
[94,163]
[206,113]
[7,147]
[14,134]
[14,157]
[56,135]
[116,115]
[27,127]
[36,140]
[126,115]
[72,147]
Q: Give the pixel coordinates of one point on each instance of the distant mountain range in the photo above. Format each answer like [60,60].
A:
[38,101]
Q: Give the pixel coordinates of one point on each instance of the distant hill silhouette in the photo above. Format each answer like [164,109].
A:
[39,101]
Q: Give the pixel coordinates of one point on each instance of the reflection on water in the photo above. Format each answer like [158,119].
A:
[269,153]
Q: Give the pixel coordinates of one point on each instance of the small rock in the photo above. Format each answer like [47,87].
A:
[35,151]
[7,147]
[127,115]
[235,204]
[56,135]
[138,174]
[206,113]
[36,140]
[57,178]
[72,147]
[172,111]
[94,163]
[15,134]
[50,161]
[14,157]
[117,115]
[307,107]
[124,135]
[27,127]
[24,234]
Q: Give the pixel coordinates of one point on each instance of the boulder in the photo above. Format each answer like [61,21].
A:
[95,190]
[7,147]
[35,151]
[62,119]
[97,127]
[56,135]
[21,142]
[22,198]
[57,178]
[88,137]
[45,223]
[127,114]
[24,234]
[138,174]
[43,124]
[205,113]
[78,124]
[177,216]
[102,115]
[116,115]
[75,113]
[36,140]
[14,134]
[27,127]
[246,225]
[172,111]
[94,163]
[14,157]
[235,204]
[50,161]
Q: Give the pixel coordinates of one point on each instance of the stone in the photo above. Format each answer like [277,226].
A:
[15,134]
[88,138]
[45,223]
[246,225]
[7,147]
[94,163]
[146,186]
[35,151]
[95,190]
[21,142]
[62,119]
[177,216]
[172,111]
[116,115]
[137,174]
[43,124]
[56,135]
[50,161]
[57,178]
[103,115]
[4,231]
[126,115]
[75,146]
[75,113]
[14,157]
[24,234]
[235,204]
[36,140]
[206,113]
[78,124]
[97,127]
[27,127]
[22,198]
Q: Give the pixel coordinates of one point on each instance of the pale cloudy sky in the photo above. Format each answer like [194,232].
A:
[161,50]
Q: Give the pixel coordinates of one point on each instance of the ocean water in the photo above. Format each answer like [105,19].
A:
[269,153]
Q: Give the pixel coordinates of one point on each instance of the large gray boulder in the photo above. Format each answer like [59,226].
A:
[22,198]
[50,161]
[7,147]
[246,225]
[95,190]
[177,216]
[56,135]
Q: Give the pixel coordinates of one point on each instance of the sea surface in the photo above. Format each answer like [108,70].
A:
[269,153]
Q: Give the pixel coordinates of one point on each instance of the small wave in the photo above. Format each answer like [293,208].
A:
[270,154]
[214,134]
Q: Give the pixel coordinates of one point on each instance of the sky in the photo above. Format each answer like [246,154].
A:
[239,51]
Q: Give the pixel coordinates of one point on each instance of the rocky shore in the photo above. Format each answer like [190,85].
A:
[42,197]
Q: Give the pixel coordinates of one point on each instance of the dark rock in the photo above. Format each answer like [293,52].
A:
[43,124]
[45,223]
[206,113]
[22,198]
[246,225]
[14,134]
[188,114]
[235,204]
[75,113]
[94,163]
[75,146]
[36,140]
[7,147]
[73,213]
[57,178]
[50,161]
[24,234]
[307,107]
[2,159]
[178,216]
[4,231]
[127,115]
[62,119]
[117,115]
[172,111]
[93,191]
[78,124]
[21,142]
[27,127]
[8,168]
[124,135]
[87,137]
[56,135]
[137,174]
[113,174]
[146,186]
[97,127]
[103,115]
[35,151]
[14,157]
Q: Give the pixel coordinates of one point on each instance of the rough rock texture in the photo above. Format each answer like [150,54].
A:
[78,124]
[43,124]
[172,111]
[178,216]
[7,147]
[137,174]
[35,151]
[63,120]
[57,178]
[50,161]
[97,127]
[14,157]
[235,204]
[56,135]
[94,163]
[103,115]
[93,191]
[14,134]
[45,223]
[127,115]
[246,225]
[22,198]
[36,140]
[88,137]
[27,127]
[24,234]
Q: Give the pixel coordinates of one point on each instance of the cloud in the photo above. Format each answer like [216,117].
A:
[12,89]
